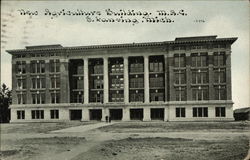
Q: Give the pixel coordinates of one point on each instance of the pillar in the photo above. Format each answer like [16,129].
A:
[105,80]
[228,75]
[211,75]
[188,76]
[86,81]
[125,114]
[166,114]
[146,80]
[48,82]
[64,81]
[85,113]
[105,112]
[146,114]
[126,77]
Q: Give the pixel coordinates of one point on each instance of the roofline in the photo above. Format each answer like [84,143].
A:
[124,45]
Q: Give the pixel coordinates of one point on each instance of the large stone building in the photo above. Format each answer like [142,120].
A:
[188,79]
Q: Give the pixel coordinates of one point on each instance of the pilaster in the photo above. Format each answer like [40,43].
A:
[105,80]
[146,80]
[126,77]
[86,81]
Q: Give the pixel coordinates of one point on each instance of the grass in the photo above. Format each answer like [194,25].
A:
[39,127]
[175,126]
[169,149]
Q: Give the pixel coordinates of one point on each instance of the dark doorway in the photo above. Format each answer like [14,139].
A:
[136,114]
[95,114]
[115,114]
[157,114]
[75,114]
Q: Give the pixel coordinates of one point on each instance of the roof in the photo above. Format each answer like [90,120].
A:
[177,41]
[242,110]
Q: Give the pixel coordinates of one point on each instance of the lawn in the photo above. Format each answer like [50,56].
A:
[127,140]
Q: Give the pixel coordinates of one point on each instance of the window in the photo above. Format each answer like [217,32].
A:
[77,82]
[38,98]
[180,77]
[220,76]
[181,94]
[155,67]
[55,97]
[199,60]
[20,114]
[220,111]
[157,96]
[179,60]
[20,67]
[220,93]
[77,97]
[200,93]
[180,112]
[54,65]
[136,64]
[38,83]
[136,96]
[37,66]
[55,82]
[21,98]
[117,97]
[199,76]
[96,97]
[136,82]
[198,47]
[21,83]
[117,68]
[98,84]
[219,59]
[98,68]
[54,114]
[117,82]
[37,114]
[200,112]
[156,82]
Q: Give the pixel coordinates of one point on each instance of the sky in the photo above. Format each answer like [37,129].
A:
[221,18]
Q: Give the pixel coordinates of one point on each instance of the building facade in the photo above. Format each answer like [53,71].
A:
[188,79]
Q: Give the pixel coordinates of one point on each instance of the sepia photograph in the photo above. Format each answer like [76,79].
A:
[125,80]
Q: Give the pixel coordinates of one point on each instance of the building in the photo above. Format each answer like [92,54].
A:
[242,114]
[188,79]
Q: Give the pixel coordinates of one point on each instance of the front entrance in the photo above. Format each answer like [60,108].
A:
[95,114]
[157,114]
[115,114]
[136,114]
[75,114]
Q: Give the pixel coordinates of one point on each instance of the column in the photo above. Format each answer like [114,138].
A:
[64,83]
[211,75]
[85,114]
[146,80]
[105,112]
[126,77]
[86,80]
[166,113]
[171,77]
[48,82]
[105,80]
[188,76]
[125,114]
[166,77]
[228,75]
[146,114]
[14,83]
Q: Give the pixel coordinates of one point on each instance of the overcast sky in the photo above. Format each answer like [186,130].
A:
[224,18]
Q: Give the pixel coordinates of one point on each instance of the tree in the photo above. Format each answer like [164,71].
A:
[5,101]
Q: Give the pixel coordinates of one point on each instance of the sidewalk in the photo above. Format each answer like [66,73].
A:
[83,128]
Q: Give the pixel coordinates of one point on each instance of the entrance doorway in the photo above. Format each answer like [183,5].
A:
[136,114]
[75,114]
[157,114]
[95,114]
[115,114]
